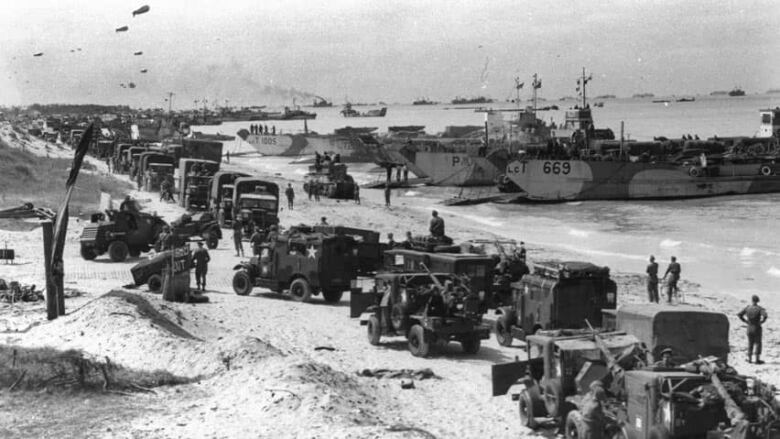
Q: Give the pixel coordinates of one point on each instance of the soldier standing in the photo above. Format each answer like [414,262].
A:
[201,258]
[273,234]
[755,316]
[408,243]
[666,359]
[317,190]
[357,194]
[390,241]
[164,239]
[237,232]
[255,240]
[673,272]
[290,192]
[437,225]
[652,280]
[521,252]
[387,194]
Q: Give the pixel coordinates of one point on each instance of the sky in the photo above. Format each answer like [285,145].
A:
[269,52]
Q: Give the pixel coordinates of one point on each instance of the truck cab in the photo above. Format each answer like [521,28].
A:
[302,262]
[221,196]
[556,295]
[256,202]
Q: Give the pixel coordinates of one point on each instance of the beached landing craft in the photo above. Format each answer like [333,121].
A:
[350,146]
[748,166]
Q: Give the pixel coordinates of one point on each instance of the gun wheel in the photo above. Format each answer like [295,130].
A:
[418,346]
[526,409]
[374,330]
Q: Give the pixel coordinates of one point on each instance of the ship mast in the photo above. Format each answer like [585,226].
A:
[537,84]
[581,82]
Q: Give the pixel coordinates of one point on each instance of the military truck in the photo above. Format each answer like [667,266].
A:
[556,295]
[509,265]
[302,262]
[332,179]
[689,331]
[256,201]
[426,308]
[221,196]
[120,233]
[369,249]
[194,186]
[154,168]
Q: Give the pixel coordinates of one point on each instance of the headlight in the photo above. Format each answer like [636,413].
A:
[666,414]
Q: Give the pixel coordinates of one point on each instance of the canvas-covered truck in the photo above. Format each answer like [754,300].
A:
[426,308]
[303,263]
[154,167]
[256,202]
[120,233]
[689,331]
[556,295]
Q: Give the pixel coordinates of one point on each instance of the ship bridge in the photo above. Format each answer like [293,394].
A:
[770,123]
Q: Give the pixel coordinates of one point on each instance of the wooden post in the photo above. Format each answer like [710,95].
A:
[51,288]
[60,281]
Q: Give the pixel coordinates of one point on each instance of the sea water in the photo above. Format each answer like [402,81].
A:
[728,245]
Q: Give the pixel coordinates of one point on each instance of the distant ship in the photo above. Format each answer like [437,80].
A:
[477,100]
[643,95]
[719,93]
[686,100]
[423,101]
[320,102]
[348,111]
[737,92]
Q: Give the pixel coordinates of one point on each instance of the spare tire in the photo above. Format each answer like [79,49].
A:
[154,283]
[766,170]
[694,172]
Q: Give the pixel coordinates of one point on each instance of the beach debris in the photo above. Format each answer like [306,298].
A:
[407,384]
[406,374]
[142,10]
[131,84]
[38,54]
[144,70]
[324,348]
[122,29]
[27,210]
[13,291]
[138,53]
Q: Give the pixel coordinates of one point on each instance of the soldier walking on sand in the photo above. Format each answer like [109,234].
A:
[255,240]
[673,272]
[290,192]
[652,280]
[237,231]
[754,316]
[201,259]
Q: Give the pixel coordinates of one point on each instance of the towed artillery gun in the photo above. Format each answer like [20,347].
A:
[642,402]
[556,295]
[426,308]
[303,262]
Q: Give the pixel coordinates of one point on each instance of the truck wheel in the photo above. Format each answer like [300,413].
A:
[374,330]
[242,283]
[526,408]
[332,296]
[154,283]
[118,251]
[471,344]
[574,427]
[88,253]
[417,344]
[503,330]
[212,241]
[134,252]
[300,290]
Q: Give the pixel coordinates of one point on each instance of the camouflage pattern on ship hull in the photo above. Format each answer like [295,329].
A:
[295,145]
[451,168]
[566,180]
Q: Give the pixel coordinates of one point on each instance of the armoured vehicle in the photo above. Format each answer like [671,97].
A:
[332,180]
[221,196]
[123,233]
[304,262]
[194,180]
[556,295]
[256,202]
[689,331]
[426,308]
